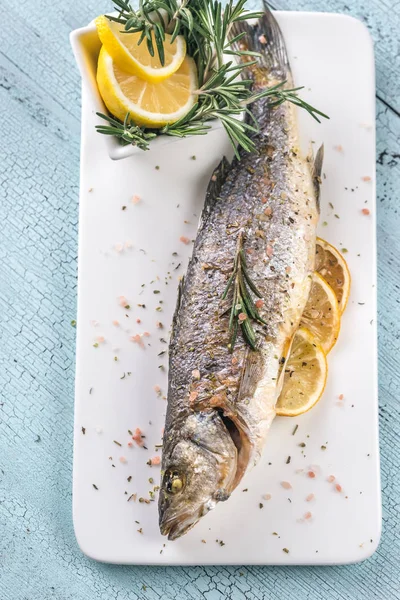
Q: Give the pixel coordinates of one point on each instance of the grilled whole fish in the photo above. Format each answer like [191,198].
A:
[221,399]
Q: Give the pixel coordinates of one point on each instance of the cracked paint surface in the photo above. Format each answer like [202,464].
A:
[40,126]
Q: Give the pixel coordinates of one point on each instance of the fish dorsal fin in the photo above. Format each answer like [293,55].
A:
[214,189]
[316,171]
[251,373]
[177,307]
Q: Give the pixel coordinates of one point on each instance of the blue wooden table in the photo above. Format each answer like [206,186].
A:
[40,134]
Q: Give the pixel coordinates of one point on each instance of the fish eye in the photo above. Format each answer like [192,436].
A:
[174,482]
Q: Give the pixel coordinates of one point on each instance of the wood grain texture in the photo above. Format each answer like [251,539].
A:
[40,101]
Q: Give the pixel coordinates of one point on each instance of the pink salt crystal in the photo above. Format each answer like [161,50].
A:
[135,199]
[331,478]
[286,485]
[118,247]
[308,515]
[259,303]
[267,496]
[338,487]
[365,211]
[123,301]
[262,39]
[310,497]
[366,178]
[341,397]
[184,239]
[138,321]
[100,339]
[122,459]
[130,445]
[338,148]
[157,389]
[137,339]
[138,437]
[116,323]
[155,460]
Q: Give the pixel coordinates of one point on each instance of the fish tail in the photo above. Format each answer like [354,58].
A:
[266,38]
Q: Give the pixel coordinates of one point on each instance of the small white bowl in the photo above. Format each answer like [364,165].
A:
[86,47]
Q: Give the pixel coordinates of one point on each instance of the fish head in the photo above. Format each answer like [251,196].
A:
[199,470]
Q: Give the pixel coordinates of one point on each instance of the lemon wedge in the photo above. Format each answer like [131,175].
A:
[321,315]
[149,104]
[135,58]
[329,262]
[305,376]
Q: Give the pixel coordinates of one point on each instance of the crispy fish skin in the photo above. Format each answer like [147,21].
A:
[221,403]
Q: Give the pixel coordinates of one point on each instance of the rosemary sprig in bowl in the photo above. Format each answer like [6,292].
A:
[223,93]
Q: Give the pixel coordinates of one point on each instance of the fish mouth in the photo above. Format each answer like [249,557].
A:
[177,525]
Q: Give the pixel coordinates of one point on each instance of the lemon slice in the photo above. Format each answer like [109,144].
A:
[150,104]
[329,262]
[305,376]
[135,58]
[321,315]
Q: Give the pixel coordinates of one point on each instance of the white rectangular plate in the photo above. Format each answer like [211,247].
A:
[119,250]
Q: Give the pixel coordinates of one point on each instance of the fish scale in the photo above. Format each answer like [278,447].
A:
[221,401]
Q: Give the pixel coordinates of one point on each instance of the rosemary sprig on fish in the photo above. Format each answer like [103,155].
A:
[221,399]
[243,309]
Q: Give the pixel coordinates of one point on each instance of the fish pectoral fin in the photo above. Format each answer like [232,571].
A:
[282,364]
[319,159]
[251,374]
[214,189]
[316,170]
